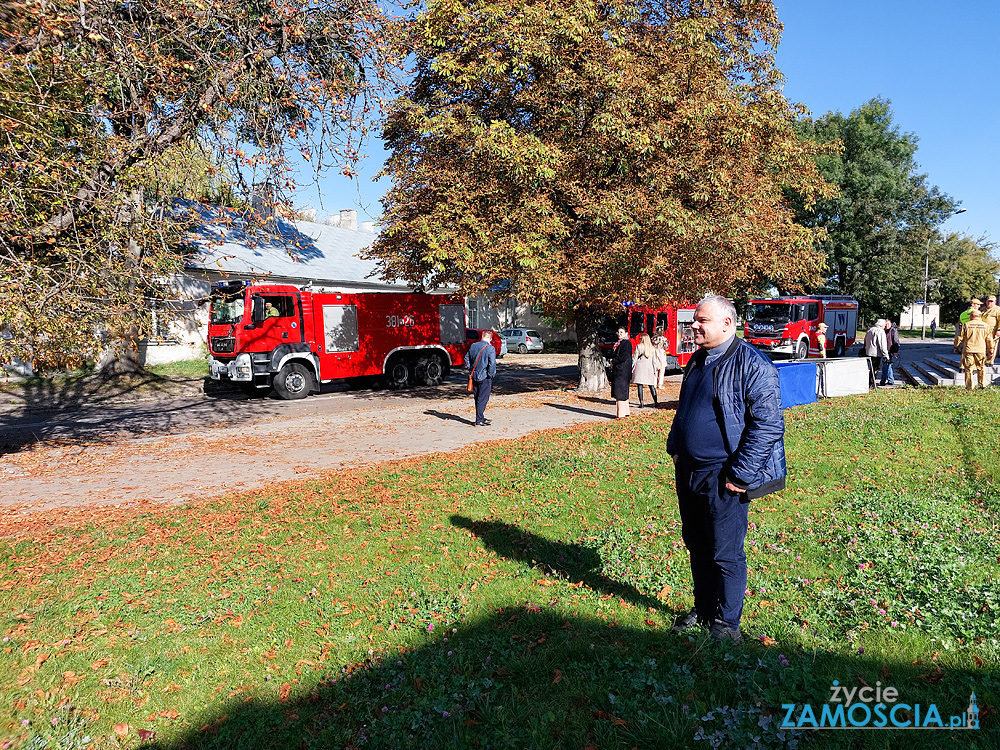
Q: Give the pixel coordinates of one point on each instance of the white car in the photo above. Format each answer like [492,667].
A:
[523,340]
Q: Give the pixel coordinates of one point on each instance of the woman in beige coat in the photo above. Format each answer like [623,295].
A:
[643,372]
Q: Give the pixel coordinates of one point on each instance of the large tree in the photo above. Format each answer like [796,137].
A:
[961,267]
[101,102]
[577,154]
[878,222]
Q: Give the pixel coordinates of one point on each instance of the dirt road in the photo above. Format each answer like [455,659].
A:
[196,446]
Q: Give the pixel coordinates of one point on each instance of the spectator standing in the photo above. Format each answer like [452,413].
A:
[821,339]
[481,359]
[876,348]
[892,342]
[973,347]
[660,356]
[643,370]
[727,445]
[933,327]
[621,373]
[991,317]
[974,304]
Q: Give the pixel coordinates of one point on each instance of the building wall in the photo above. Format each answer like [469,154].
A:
[913,316]
[484,313]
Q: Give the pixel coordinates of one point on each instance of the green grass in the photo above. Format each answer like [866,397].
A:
[188,368]
[520,595]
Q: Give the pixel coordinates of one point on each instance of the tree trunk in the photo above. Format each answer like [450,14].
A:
[123,362]
[593,378]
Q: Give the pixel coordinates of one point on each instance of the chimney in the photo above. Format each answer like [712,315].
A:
[368,226]
[262,199]
[333,220]
[308,214]
[348,219]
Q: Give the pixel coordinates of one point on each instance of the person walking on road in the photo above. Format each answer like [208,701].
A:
[876,348]
[973,347]
[621,374]
[727,444]
[991,317]
[481,359]
[892,341]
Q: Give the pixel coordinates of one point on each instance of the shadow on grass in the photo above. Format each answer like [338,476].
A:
[527,677]
[573,562]
[577,410]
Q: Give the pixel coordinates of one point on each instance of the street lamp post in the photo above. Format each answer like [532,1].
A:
[927,264]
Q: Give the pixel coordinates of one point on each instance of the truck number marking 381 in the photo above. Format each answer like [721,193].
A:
[399,321]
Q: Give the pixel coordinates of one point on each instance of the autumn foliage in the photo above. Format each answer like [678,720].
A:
[100,102]
[576,154]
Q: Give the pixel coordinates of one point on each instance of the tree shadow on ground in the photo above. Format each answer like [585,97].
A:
[78,409]
[577,410]
[526,676]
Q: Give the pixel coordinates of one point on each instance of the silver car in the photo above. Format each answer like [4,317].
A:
[523,340]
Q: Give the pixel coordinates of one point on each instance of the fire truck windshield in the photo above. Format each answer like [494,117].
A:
[769,312]
[227,310]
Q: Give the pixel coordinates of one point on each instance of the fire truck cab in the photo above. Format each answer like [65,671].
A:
[789,325]
[278,336]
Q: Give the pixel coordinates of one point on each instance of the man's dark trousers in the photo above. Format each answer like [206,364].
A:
[714,527]
[481,392]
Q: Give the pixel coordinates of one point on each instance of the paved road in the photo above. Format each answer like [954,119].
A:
[190,448]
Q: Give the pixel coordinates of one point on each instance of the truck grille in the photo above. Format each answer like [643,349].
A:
[223,344]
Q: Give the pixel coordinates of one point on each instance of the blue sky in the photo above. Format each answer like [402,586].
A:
[936,62]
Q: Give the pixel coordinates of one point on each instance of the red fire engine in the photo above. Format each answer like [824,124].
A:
[790,324]
[674,319]
[264,336]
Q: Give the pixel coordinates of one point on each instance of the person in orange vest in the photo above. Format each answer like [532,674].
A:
[973,347]
[821,339]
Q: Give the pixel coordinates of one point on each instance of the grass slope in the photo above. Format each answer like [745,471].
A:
[520,595]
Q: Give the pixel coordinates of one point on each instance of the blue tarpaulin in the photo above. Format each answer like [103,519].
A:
[797,381]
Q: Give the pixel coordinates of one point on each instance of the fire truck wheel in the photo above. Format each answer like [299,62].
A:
[802,350]
[397,374]
[430,370]
[839,350]
[522,349]
[293,381]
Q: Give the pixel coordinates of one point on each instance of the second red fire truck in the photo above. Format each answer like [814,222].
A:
[789,324]
[673,319]
[278,336]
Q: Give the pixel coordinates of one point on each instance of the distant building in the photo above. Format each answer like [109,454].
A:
[918,314]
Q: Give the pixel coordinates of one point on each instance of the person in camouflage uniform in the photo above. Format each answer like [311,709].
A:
[973,347]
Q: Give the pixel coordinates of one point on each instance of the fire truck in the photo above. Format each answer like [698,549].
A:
[289,339]
[789,324]
[675,319]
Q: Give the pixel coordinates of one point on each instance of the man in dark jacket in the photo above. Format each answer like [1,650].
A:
[727,444]
[481,359]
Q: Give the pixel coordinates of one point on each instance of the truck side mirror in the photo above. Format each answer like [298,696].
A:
[256,309]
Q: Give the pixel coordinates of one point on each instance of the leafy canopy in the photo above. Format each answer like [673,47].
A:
[576,154]
[103,104]
[878,224]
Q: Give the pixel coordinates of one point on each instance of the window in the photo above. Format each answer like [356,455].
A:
[284,304]
[637,323]
[534,334]
[812,311]
[159,322]
[340,327]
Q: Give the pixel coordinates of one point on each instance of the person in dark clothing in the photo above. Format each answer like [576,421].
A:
[621,373]
[727,443]
[481,359]
[892,341]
